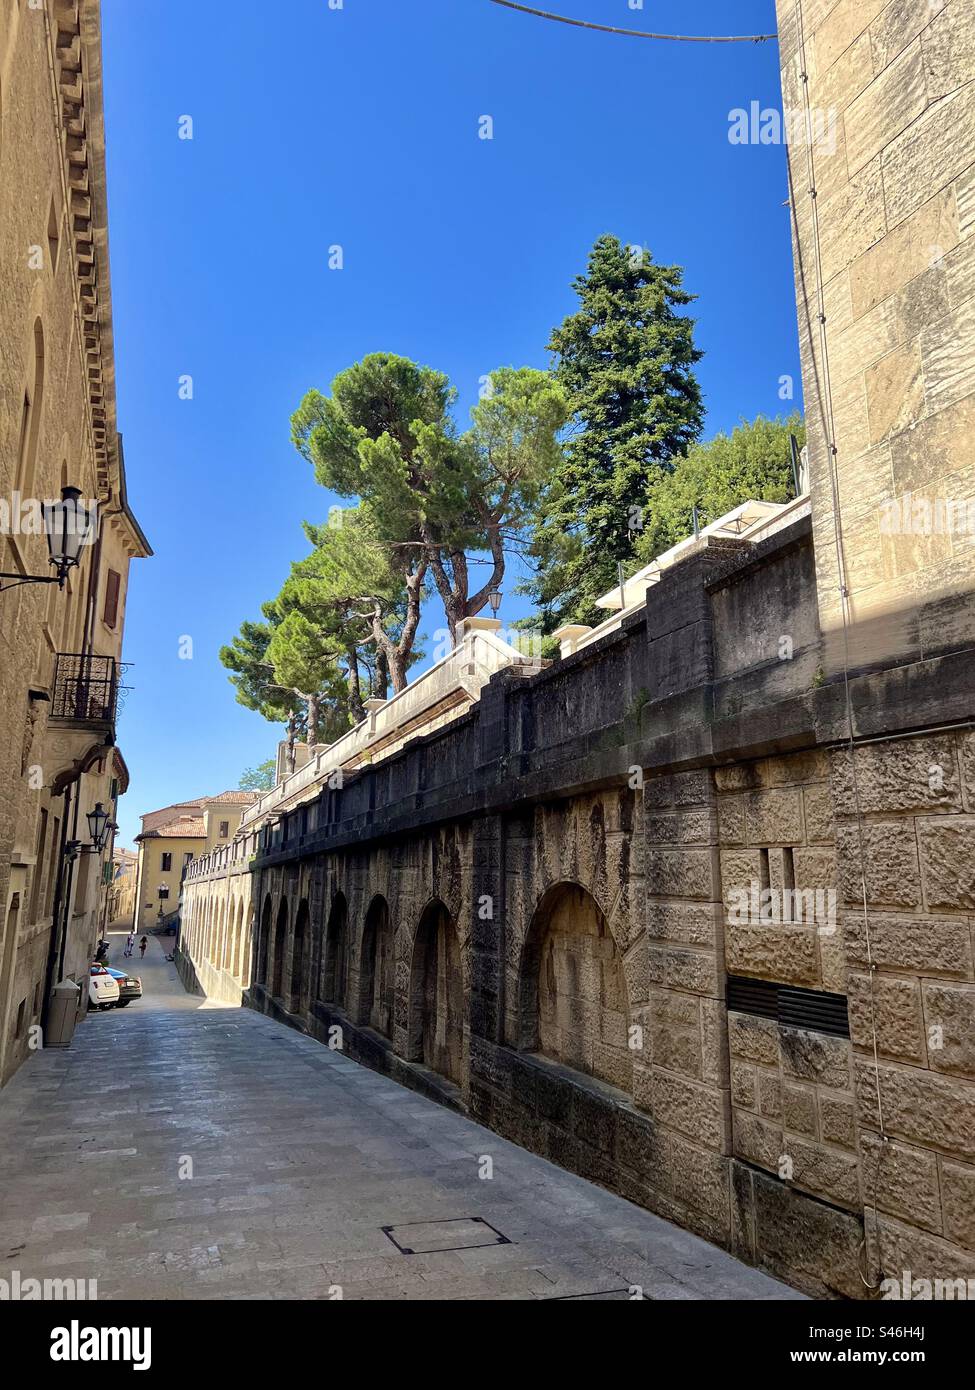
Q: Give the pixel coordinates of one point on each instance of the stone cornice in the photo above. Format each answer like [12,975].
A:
[74,42]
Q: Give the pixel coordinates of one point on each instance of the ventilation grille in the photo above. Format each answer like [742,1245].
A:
[812,1009]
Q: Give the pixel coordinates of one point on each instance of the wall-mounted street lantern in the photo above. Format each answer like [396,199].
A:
[68,526]
[98,826]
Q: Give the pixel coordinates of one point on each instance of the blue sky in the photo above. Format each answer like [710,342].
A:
[359,127]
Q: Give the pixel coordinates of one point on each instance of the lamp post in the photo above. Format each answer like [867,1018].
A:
[98,826]
[494,599]
[68,525]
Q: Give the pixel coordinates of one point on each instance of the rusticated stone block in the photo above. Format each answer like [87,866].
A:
[811,765]
[740,868]
[949,1016]
[947,856]
[769,1096]
[837,1120]
[643,1084]
[757,1141]
[612,1064]
[701,1179]
[892,1008]
[642,1149]
[743,1088]
[832,960]
[693,924]
[817,811]
[696,971]
[677,1049]
[742,1213]
[889,863]
[799,1109]
[920,1106]
[814,1245]
[753,1039]
[809,1056]
[731,820]
[958,1199]
[700,1112]
[714,1042]
[814,868]
[917,774]
[934,945]
[786,954]
[593,1119]
[681,873]
[824,1171]
[693,788]
[968,739]
[671,1010]
[684,828]
[901,1180]
[774,816]
[737,777]
[925,1256]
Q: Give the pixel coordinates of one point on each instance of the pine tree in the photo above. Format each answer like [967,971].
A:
[625,363]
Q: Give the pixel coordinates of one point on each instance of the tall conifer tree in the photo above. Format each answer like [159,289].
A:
[625,362]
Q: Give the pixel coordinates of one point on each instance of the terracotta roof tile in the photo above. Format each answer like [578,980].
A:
[185,828]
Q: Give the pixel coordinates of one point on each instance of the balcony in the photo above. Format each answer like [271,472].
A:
[86,691]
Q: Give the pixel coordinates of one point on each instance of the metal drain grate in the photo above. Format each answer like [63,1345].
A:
[453,1233]
[790,1005]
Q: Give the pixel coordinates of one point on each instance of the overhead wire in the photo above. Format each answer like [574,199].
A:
[633,33]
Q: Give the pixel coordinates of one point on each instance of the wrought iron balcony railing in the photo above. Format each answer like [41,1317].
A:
[86,689]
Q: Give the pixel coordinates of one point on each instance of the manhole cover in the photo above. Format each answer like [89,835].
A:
[455,1233]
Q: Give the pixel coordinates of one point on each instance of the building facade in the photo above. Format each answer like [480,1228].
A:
[60,649]
[171,839]
[121,897]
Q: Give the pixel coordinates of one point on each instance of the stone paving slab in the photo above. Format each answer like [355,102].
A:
[179,1150]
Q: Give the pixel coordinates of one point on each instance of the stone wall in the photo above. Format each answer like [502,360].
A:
[884,213]
[532,915]
[57,427]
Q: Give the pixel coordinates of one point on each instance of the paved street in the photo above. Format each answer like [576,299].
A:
[179,1150]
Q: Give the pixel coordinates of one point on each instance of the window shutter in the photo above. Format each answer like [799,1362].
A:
[111,598]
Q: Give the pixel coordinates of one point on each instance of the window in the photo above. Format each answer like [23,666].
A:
[166,863]
[35,891]
[188,857]
[30,418]
[112,585]
[52,868]
[52,236]
[224,829]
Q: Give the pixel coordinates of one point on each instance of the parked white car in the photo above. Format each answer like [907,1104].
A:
[103,990]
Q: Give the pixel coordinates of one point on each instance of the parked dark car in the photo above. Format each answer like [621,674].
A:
[129,987]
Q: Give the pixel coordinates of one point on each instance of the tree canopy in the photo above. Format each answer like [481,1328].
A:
[754,461]
[624,361]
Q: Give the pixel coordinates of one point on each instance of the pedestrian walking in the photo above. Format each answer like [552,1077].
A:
[143,944]
[129,944]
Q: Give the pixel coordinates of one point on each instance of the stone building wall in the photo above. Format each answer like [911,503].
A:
[886,251]
[57,427]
